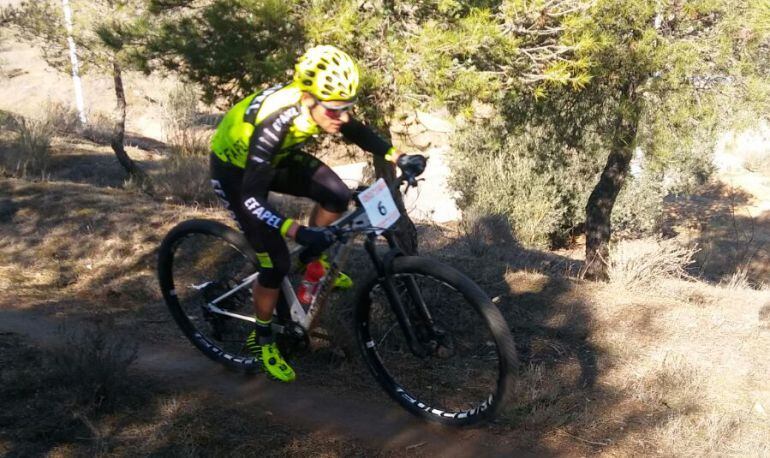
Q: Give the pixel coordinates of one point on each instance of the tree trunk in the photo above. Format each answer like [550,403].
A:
[119,132]
[406,232]
[599,207]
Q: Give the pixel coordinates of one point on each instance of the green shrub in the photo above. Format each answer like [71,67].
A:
[180,109]
[639,208]
[543,196]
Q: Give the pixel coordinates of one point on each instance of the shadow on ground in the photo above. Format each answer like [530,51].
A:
[92,251]
[734,246]
[82,250]
[45,413]
[559,398]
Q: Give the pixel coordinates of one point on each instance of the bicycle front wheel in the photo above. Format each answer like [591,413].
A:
[199,262]
[457,371]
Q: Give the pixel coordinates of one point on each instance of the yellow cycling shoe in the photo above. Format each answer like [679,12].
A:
[270,358]
[343,281]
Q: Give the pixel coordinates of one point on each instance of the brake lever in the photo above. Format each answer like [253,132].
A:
[411,182]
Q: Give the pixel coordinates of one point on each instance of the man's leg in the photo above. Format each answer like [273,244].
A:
[305,176]
[319,216]
[262,341]
[265,300]
[274,262]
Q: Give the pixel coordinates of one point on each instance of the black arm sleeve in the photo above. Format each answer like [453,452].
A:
[368,140]
[265,143]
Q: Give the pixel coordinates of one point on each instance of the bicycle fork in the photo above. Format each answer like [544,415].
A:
[404,322]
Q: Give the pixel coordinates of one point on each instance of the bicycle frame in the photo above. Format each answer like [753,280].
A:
[289,309]
[289,306]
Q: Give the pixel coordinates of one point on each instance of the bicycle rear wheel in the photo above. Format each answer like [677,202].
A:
[470,356]
[198,262]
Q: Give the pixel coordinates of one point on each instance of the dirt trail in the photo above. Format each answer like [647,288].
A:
[384,426]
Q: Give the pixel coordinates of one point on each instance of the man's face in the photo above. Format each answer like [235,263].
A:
[331,115]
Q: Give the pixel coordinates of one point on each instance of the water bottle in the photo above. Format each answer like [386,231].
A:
[306,289]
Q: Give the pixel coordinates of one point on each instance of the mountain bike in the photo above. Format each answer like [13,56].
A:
[430,336]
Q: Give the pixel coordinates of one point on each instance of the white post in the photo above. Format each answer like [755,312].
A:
[74,61]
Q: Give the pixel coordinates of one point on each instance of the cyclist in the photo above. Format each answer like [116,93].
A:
[255,150]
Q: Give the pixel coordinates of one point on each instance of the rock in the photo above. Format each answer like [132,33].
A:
[420,141]
[397,127]
[434,123]
[415,129]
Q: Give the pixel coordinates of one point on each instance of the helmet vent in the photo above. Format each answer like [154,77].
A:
[327,73]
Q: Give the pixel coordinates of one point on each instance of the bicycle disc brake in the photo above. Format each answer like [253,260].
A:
[437,341]
[434,338]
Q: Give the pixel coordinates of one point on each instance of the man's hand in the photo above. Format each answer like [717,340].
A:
[316,239]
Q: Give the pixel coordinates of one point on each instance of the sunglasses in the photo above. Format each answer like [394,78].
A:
[333,111]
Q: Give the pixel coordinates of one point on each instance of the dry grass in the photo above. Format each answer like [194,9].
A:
[46,415]
[185,179]
[483,232]
[101,253]
[64,393]
[63,118]
[678,369]
[184,174]
[99,128]
[28,154]
[94,361]
[644,263]
[697,362]
[729,226]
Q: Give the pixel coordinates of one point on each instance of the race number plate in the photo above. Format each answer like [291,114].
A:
[379,205]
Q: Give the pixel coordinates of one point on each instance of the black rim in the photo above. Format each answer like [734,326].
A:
[425,386]
[198,261]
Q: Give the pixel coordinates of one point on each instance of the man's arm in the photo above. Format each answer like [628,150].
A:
[368,140]
[265,143]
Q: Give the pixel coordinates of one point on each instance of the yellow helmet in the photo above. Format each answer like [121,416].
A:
[328,73]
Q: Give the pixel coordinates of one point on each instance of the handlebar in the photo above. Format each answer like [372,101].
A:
[410,170]
[411,167]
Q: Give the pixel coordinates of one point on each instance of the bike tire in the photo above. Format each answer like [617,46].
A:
[434,387]
[199,251]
